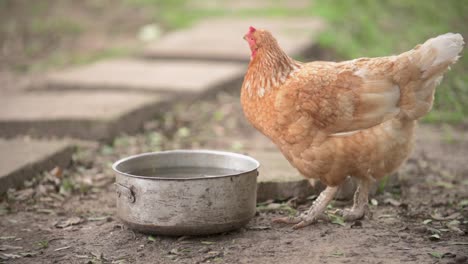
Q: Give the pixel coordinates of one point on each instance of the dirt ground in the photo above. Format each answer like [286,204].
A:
[69,216]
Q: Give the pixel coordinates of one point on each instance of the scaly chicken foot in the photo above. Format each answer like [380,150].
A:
[298,219]
[359,208]
[315,211]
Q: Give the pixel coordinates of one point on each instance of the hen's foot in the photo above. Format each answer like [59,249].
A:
[314,213]
[352,214]
[298,219]
[288,219]
[360,202]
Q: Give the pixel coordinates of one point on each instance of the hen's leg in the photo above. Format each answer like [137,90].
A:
[314,212]
[361,197]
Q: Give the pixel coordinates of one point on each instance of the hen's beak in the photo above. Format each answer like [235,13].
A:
[244,37]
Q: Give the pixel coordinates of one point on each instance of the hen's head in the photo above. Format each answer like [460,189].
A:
[259,39]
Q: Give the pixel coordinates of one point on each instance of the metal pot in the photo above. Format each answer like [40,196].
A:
[186,206]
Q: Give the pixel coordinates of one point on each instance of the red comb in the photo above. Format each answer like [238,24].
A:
[251,29]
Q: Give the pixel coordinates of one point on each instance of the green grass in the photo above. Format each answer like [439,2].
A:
[182,13]
[377,28]
[62,58]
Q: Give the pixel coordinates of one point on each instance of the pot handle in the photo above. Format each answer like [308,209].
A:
[125,191]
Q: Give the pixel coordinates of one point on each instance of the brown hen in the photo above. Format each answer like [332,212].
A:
[354,118]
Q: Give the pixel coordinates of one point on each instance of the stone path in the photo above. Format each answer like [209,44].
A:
[99,101]
[94,116]
[221,39]
[278,179]
[21,159]
[158,76]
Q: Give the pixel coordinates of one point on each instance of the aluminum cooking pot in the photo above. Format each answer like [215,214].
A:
[195,205]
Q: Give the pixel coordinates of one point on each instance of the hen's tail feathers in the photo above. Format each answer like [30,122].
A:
[440,51]
[433,58]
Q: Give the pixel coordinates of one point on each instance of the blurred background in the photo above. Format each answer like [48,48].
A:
[36,36]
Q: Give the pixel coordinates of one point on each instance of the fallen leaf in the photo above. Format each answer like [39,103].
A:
[439,217]
[43,244]
[458,243]
[448,255]
[11,256]
[443,184]
[433,230]
[182,238]
[69,222]
[434,237]
[405,248]
[463,203]
[386,216]
[7,237]
[25,194]
[273,206]
[374,202]
[454,226]
[258,228]
[45,211]
[57,172]
[338,220]
[392,201]
[435,255]
[173,251]
[62,248]
[99,218]
[98,255]
[28,254]
[9,247]
[277,206]
[427,221]
[337,254]
[265,203]
[207,242]
[151,238]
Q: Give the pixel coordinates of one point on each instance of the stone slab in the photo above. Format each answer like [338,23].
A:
[92,115]
[22,159]
[220,39]
[239,5]
[162,76]
[278,179]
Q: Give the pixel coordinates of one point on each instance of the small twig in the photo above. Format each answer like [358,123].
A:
[62,248]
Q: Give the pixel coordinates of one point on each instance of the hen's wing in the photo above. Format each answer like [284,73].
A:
[336,97]
[354,95]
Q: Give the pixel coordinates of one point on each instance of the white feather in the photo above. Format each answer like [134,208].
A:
[446,46]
